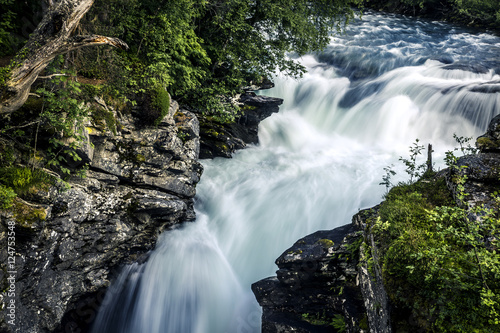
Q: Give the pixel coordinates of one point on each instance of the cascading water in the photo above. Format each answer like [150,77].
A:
[385,82]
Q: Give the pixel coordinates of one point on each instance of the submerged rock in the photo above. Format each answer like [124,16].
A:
[475,68]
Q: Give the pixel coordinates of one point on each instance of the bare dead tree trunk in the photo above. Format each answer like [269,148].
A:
[429,158]
[52,37]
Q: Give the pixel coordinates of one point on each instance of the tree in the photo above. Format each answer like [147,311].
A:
[246,39]
[487,11]
[198,50]
[53,36]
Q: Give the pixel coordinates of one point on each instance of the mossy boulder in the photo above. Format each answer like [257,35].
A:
[155,106]
[490,141]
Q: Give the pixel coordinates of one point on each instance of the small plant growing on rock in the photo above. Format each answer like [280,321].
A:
[386,179]
[7,196]
[412,168]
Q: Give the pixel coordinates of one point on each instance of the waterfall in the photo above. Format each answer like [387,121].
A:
[362,102]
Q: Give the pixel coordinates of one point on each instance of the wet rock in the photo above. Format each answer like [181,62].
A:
[222,140]
[262,85]
[316,286]
[484,167]
[482,170]
[490,141]
[475,68]
[141,182]
[491,87]
[156,157]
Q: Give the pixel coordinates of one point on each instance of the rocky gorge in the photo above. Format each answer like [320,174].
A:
[71,239]
[142,182]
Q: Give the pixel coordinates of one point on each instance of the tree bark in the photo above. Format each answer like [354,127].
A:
[52,37]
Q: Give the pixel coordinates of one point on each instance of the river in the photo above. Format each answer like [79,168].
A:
[385,82]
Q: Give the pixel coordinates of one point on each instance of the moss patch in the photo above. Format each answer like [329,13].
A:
[103,119]
[7,196]
[26,181]
[155,106]
[326,243]
[484,143]
[248,108]
[26,215]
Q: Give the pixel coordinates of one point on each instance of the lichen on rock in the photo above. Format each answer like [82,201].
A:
[71,245]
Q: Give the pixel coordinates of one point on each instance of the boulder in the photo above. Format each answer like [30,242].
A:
[223,139]
[316,286]
[490,141]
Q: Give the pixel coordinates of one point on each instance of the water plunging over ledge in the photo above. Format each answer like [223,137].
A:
[387,81]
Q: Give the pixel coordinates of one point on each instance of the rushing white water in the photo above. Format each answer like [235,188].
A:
[385,82]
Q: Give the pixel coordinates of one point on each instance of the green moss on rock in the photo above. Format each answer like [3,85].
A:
[26,181]
[486,143]
[160,101]
[103,119]
[326,243]
[7,196]
[26,215]
[155,106]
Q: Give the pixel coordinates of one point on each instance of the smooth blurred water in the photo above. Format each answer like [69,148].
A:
[387,81]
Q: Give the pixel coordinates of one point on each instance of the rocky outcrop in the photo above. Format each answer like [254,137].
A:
[316,288]
[331,281]
[141,181]
[490,141]
[222,140]
[481,171]
[370,280]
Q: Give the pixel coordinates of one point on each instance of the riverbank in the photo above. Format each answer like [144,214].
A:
[400,266]
[71,237]
[479,16]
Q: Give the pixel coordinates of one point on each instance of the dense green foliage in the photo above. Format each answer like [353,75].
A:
[487,11]
[439,263]
[17,20]
[24,181]
[202,51]
[482,13]
[7,196]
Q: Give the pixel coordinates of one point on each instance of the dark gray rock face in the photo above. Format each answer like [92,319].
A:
[141,181]
[481,170]
[490,141]
[371,284]
[316,286]
[222,140]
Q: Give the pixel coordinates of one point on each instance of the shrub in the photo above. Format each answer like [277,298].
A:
[7,196]
[24,181]
[155,106]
